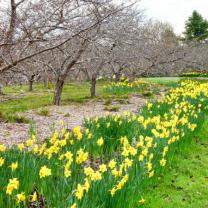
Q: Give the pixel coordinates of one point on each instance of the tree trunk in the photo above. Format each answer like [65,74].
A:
[58,92]
[31,80]
[93,86]
[45,80]
[63,74]
[1,89]
[9,35]
[117,76]
[30,85]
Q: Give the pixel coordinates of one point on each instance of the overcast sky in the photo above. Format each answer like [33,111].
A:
[175,12]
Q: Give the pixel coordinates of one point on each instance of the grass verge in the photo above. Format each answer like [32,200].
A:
[184,183]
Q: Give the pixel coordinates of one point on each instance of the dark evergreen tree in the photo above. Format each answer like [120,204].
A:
[196,27]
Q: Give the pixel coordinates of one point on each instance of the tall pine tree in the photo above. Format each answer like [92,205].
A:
[196,27]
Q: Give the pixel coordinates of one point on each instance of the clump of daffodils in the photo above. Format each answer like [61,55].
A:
[81,156]
[12,185]
[100,142]
[21,197]
[45,172]
[14,166]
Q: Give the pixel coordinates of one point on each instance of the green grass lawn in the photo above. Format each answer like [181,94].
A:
[170,81]
[184,183]
[74,91]
[165,81]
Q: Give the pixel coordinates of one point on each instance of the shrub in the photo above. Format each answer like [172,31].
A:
[43,112]
[67,115]
[108,102]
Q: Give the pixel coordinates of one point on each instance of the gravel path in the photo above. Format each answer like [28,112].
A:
[73,115]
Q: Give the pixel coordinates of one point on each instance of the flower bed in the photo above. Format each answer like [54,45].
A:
[107,164]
